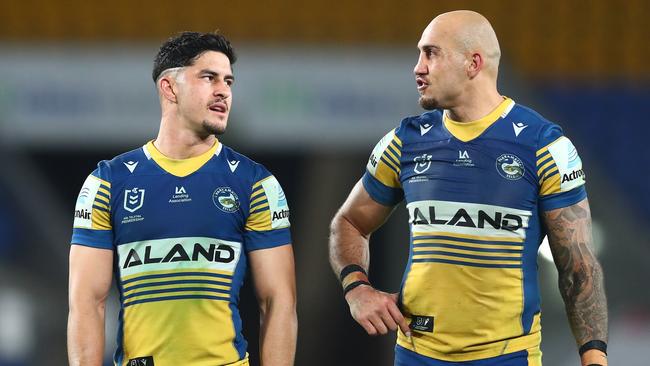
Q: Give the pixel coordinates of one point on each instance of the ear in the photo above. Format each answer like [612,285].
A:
[476,64]
[166,85]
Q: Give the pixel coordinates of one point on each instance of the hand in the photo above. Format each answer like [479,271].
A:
[594,357]
[376,311]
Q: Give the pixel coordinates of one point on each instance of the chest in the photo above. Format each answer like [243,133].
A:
[480,171]
[150,207]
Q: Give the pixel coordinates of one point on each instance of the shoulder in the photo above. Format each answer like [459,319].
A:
[249,168]
[542,131]
[120,166]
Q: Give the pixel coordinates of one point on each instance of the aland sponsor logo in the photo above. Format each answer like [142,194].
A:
[468,218]
[178,253]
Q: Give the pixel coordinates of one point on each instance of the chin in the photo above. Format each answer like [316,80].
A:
[215,128]
[428,103]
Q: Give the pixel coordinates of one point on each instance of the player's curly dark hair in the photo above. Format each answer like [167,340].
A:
[184,49]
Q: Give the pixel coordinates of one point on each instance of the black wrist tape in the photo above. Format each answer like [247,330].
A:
[349,269]
[595,344]
[354,285]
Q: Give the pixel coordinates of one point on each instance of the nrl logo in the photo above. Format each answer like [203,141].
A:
[422,163]
[133,199]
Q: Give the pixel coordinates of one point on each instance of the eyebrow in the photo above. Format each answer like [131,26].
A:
[214,73]
[429,47]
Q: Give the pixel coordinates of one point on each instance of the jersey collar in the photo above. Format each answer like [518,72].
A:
[180,167]
[466,131]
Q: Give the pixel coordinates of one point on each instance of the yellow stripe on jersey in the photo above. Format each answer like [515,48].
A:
[259,218]
[257,185]
[547,171]
[467,244]
[205,321]
[384,163]
[551,185]
[197,272]
[259,221]
[180,167]
[469,236]
[493,306]
[101,220]
[545,148]
[466,131]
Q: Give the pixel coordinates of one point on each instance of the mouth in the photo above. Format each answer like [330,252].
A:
[421,83]
[219,107]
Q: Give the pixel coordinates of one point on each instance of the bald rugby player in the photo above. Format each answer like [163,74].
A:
[484,179]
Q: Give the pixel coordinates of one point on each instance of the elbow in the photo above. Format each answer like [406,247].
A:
[285,303]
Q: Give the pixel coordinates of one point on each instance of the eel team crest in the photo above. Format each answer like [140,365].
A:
[510,166]
[225,199]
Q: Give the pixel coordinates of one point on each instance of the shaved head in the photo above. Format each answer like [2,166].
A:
[469,32]
[458,60]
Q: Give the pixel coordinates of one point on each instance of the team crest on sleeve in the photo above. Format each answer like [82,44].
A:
[84,206]
[510,166]
[225,199]
[277,203]
[133,199]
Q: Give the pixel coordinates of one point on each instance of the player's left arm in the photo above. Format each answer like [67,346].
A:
[580,276]
[274,281]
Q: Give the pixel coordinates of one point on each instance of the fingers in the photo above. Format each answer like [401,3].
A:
[399,318]
[378,313]
[378,323]
[368,327]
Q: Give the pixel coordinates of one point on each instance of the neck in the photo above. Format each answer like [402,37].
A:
[474,105]
[176,142]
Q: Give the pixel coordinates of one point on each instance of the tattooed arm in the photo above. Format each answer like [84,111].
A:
[580,276]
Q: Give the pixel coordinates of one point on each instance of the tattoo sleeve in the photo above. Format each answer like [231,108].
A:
[580,274]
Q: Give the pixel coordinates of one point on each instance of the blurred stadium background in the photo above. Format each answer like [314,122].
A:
[318,83]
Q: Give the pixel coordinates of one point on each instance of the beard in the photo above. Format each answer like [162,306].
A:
[213,128]
[428,103]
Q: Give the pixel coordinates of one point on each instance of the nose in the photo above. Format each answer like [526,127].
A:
[420,67]
[221,89]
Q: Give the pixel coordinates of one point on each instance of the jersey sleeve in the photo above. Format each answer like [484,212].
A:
[559,170]
[92,216]
[381,178]
[267,224]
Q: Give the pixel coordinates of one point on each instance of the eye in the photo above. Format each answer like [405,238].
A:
[209,77]
[229,82]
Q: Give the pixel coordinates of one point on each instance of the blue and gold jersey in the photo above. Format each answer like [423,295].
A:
[474,192]
[180,231]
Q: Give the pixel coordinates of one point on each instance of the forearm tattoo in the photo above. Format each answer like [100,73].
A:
[580,274]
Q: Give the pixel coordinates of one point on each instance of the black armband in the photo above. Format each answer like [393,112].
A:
[354,285]
[349,269]
[595,344]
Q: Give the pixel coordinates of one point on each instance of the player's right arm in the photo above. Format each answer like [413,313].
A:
[367,207]
[90,270]
[360,215]
[89,285]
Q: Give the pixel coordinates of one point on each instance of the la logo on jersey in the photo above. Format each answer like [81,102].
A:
[463,159]
[422,163]
[180,195]
[133,199]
